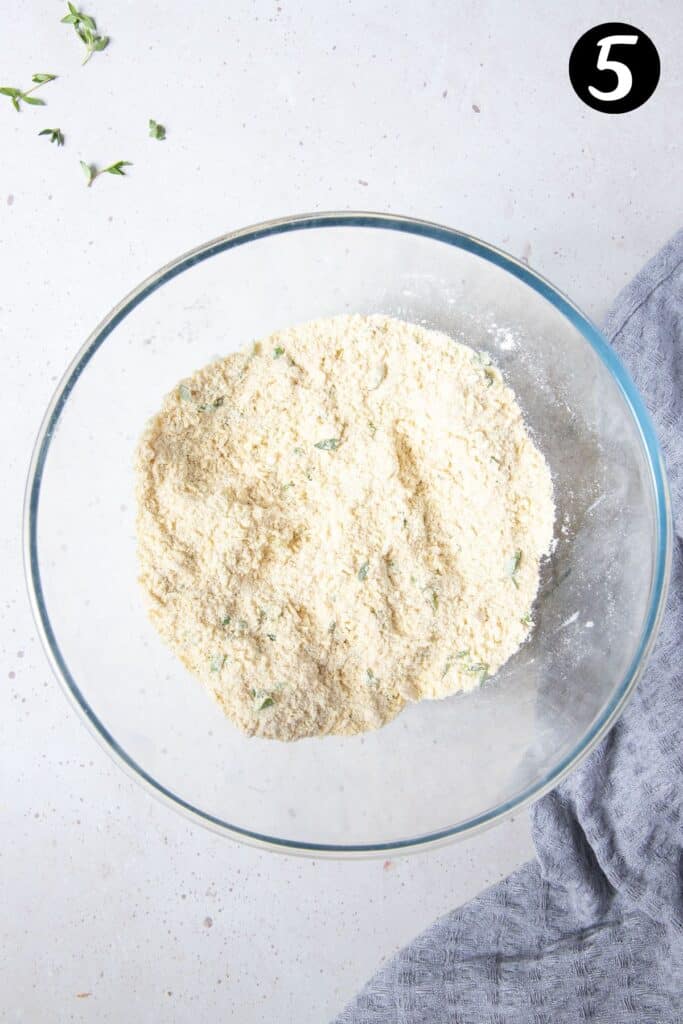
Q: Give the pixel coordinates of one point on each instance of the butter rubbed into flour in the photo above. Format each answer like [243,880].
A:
[345,518]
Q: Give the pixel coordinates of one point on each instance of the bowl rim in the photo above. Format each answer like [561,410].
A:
[439,233]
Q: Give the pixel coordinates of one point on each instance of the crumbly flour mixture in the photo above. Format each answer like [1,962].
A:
[344,518]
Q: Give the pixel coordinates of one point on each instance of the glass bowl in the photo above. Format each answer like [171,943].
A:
[441,769]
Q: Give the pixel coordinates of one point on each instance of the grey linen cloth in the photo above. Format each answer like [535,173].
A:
[592,931]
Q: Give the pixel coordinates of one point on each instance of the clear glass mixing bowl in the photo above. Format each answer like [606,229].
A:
[441,769]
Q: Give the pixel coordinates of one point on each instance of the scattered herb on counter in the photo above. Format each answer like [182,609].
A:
[19,96]
[156,130]
[91,172]
[363,571]
[217,662]
[513,566]
[330,444]
[277,352]
[55,134]
[86,30]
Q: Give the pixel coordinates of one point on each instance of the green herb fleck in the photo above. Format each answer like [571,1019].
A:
[330,444]
[497,461]
[278,351]
[513,566]
[91,172]
[217,662]
[212,406]
[243,625]
[526,619]
[373,428]
[86,30]
[479,668]
[156,130]
[225,621]
[19,96]
[372,678]
[267,703]
[271,636]
[483,357]
[55,135]
[363,571]
[435,601]
[185,393]
[332,627]
[298,451]
[490,376]
[285,487]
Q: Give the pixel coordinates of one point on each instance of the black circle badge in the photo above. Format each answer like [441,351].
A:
[614,68]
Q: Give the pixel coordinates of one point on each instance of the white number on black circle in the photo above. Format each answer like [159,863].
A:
[622,71]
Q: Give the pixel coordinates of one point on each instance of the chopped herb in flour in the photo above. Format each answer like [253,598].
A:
[513,566]
[480,669]
[372,678]
[363,571]
[225,621]
[217,662]
[261,701]
[330,444]
[278,351]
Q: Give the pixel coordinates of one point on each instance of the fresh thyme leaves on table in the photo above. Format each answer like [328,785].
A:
[156,130]
[55,134]
[91,172]
[19,96]
[86,30]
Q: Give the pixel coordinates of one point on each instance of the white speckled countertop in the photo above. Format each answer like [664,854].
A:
[113,906]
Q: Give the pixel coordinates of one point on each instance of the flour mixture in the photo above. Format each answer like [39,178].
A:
[347,517]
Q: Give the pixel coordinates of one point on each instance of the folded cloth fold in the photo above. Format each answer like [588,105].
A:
[592,931]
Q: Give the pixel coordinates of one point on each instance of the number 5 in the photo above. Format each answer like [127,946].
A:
[622,71]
